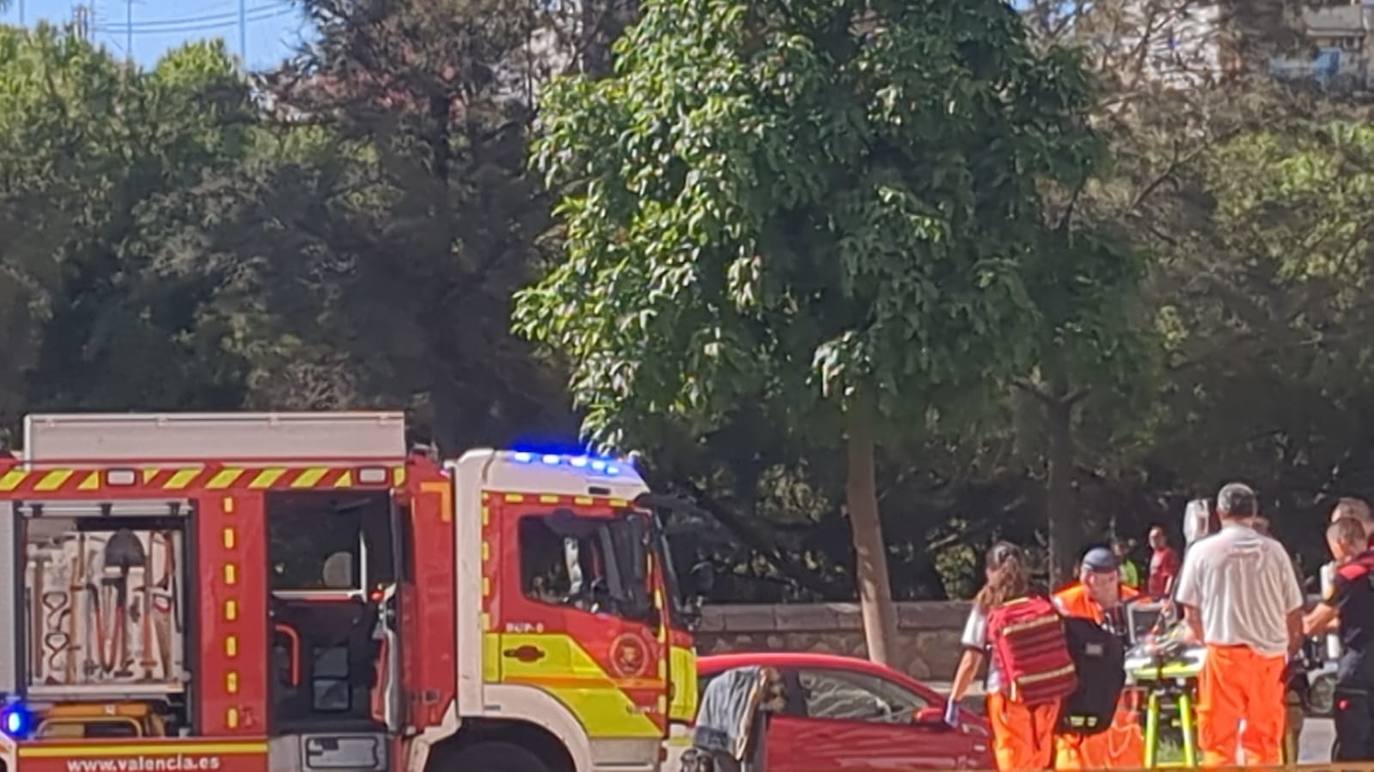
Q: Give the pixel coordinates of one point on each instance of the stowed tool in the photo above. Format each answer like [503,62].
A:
[346,602]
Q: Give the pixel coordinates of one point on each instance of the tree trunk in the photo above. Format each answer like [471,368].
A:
[870,551]
[1062,525]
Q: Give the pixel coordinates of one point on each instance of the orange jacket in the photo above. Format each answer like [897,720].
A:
[1074,601]
[1123,745]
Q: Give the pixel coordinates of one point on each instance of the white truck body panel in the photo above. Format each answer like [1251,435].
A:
[160,437]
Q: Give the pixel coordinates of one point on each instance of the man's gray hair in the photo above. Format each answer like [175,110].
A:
[1237,500]
[1353,508]
[1348,531]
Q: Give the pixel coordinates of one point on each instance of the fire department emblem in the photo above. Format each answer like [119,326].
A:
[629,656]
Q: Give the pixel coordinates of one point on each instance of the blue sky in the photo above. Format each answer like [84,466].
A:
[273,31]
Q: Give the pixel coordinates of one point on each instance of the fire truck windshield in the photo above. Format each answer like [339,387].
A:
[594,564]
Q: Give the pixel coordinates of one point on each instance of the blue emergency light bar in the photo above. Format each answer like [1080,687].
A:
[608,467]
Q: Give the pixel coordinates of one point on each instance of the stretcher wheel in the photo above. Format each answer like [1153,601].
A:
[497,757]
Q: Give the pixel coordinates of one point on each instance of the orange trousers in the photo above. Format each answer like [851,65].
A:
[1022,736]
[1238,684]
[1122,746]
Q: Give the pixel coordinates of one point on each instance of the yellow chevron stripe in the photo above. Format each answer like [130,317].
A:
[148,475]
[181,479]
[91,483]
[266,478]
[224,478]
[345,480]
[310,477]
[53,480]
[398,475]
[12,479]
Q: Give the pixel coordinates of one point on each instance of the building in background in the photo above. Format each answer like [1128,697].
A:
[1337,49]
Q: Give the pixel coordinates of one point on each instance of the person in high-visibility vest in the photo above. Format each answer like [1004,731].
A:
[1130,575]
[1099,595]
[1240,597]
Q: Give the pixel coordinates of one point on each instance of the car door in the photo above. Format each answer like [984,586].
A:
[851,720]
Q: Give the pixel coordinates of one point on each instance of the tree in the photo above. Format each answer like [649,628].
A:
[1269,369]
[828,208]
[1173,80]
[88,150]
[378,236]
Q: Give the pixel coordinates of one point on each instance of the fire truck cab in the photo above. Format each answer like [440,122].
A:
[296,592]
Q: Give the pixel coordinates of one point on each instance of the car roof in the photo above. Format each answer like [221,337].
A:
[714,665]
[721,662]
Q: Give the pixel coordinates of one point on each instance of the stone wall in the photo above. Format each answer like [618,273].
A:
[928,633]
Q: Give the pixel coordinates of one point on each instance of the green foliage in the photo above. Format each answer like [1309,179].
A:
[807,203]
[89,150]
[770,212]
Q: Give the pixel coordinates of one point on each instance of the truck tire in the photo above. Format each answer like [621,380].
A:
[498,757]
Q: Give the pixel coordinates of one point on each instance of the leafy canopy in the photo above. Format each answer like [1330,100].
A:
[806,201]
[90,151]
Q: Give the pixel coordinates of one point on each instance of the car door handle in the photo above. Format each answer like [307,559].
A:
[526,653]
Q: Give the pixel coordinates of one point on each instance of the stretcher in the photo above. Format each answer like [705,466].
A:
[1167,677]
[1169,684]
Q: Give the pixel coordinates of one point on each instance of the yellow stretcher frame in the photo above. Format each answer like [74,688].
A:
[1177,680]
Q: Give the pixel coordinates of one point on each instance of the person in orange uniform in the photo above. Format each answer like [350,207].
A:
[1022,735]
[1099,595]
[1240,597]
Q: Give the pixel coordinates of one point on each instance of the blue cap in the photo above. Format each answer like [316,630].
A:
[1101,560]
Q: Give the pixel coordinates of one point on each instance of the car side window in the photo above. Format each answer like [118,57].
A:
[840,695]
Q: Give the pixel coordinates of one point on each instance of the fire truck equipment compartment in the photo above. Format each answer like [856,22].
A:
[103,601]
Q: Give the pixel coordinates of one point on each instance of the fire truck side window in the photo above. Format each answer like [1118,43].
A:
[329,543]
[595,565]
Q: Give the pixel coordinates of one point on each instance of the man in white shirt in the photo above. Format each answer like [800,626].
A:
[1241,598]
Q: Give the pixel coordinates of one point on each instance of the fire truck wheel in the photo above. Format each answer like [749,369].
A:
[498,757]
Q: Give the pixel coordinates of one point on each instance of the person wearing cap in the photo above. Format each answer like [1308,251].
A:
[1100,596]
[1241,598]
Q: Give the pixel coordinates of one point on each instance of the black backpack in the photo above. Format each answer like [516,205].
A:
[1100,658]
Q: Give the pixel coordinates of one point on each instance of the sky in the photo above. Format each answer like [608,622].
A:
[274,28]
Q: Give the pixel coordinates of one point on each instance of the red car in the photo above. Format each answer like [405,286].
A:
[851,714]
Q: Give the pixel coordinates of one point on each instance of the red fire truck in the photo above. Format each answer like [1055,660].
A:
[298,593]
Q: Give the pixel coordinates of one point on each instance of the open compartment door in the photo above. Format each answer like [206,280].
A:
[103,597]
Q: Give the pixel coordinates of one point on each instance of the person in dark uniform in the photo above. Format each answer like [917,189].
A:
[1351,601]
